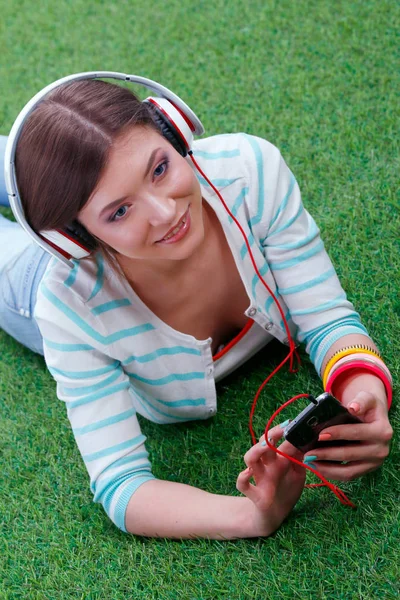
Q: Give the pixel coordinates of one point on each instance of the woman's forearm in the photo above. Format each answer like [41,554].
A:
[175,510]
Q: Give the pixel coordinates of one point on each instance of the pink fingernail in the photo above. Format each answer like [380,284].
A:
[324,436]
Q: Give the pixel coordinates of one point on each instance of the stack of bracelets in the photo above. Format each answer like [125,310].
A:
[357,357]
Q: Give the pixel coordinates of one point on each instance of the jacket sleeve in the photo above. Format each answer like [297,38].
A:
[305,277]
[97,395]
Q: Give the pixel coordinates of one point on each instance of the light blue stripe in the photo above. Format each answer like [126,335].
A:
[216,182]
[318,338]
[98,395]
[285,200]
[264,269]
[120,509]
[113,449]
[148,407]
[244,251]
[238,203]
[85,374]
[105,422]
[109,495]
[287,264]
[89,389]
[147,411]
[102,308]
[320,351]
[169,378]
[125,460]
[81,323]
[67,347]
[72,275]
[270,301]
[100,277]
[184,402]
[316,309]
[161,352]
[114,481]
[307,336]
[260,174]
[171,416]
[314,232]
[215,155]
[307,284]
[320,345]
[288,317]
[285,225]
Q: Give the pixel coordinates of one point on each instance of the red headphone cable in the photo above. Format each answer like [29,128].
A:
[292,352]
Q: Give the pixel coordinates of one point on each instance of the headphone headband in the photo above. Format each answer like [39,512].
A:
[180,106]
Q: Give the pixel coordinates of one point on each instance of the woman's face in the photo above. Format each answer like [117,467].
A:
[147,204]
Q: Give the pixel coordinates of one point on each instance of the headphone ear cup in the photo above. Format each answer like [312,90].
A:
[167,129]
[71,241]
[175,123]
[80,234]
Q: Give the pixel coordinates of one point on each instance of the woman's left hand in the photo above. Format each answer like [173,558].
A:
[373,436]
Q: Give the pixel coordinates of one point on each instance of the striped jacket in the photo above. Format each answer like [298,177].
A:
[113,358]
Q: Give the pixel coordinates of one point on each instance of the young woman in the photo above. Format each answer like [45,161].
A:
[168,303]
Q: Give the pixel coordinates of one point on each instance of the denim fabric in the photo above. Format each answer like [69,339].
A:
[22,266]
[19,283]
[3,192]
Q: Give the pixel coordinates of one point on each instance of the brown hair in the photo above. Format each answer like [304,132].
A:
[64,147]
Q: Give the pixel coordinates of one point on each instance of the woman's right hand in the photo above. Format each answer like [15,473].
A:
[278,482]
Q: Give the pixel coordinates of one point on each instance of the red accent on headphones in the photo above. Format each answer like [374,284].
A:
[168,117]
[192,127]
[59,248]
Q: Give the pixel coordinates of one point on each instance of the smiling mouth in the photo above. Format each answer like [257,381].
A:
[176,229]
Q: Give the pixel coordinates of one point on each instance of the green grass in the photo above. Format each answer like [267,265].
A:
[320,80]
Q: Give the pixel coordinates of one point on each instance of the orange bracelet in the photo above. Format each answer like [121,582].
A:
[364,357]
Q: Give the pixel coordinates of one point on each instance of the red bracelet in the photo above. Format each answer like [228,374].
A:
[358,364]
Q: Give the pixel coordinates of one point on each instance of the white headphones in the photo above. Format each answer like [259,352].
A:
[177,123]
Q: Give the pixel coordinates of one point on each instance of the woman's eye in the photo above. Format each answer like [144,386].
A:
[120,213]
[161,168]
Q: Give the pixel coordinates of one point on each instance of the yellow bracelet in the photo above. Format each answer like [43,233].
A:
[356,349]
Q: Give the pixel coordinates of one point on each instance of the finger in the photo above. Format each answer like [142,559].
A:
[261,450]
[362,403]
[264,458]
[377,430]
[292,451]
[244,486]
[274,435]
[258,457]
[352,452]
[346,472]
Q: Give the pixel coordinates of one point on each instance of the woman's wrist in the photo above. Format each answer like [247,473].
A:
[257,523]
[351,382]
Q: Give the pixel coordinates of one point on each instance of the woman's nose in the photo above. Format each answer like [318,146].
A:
[160,209]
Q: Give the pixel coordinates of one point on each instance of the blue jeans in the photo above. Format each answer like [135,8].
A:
[22,266]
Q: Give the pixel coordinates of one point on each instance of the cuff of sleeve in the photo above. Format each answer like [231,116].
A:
[331,338]
[125,495]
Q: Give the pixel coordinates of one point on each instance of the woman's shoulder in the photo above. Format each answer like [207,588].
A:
[232,145]
[81,280]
